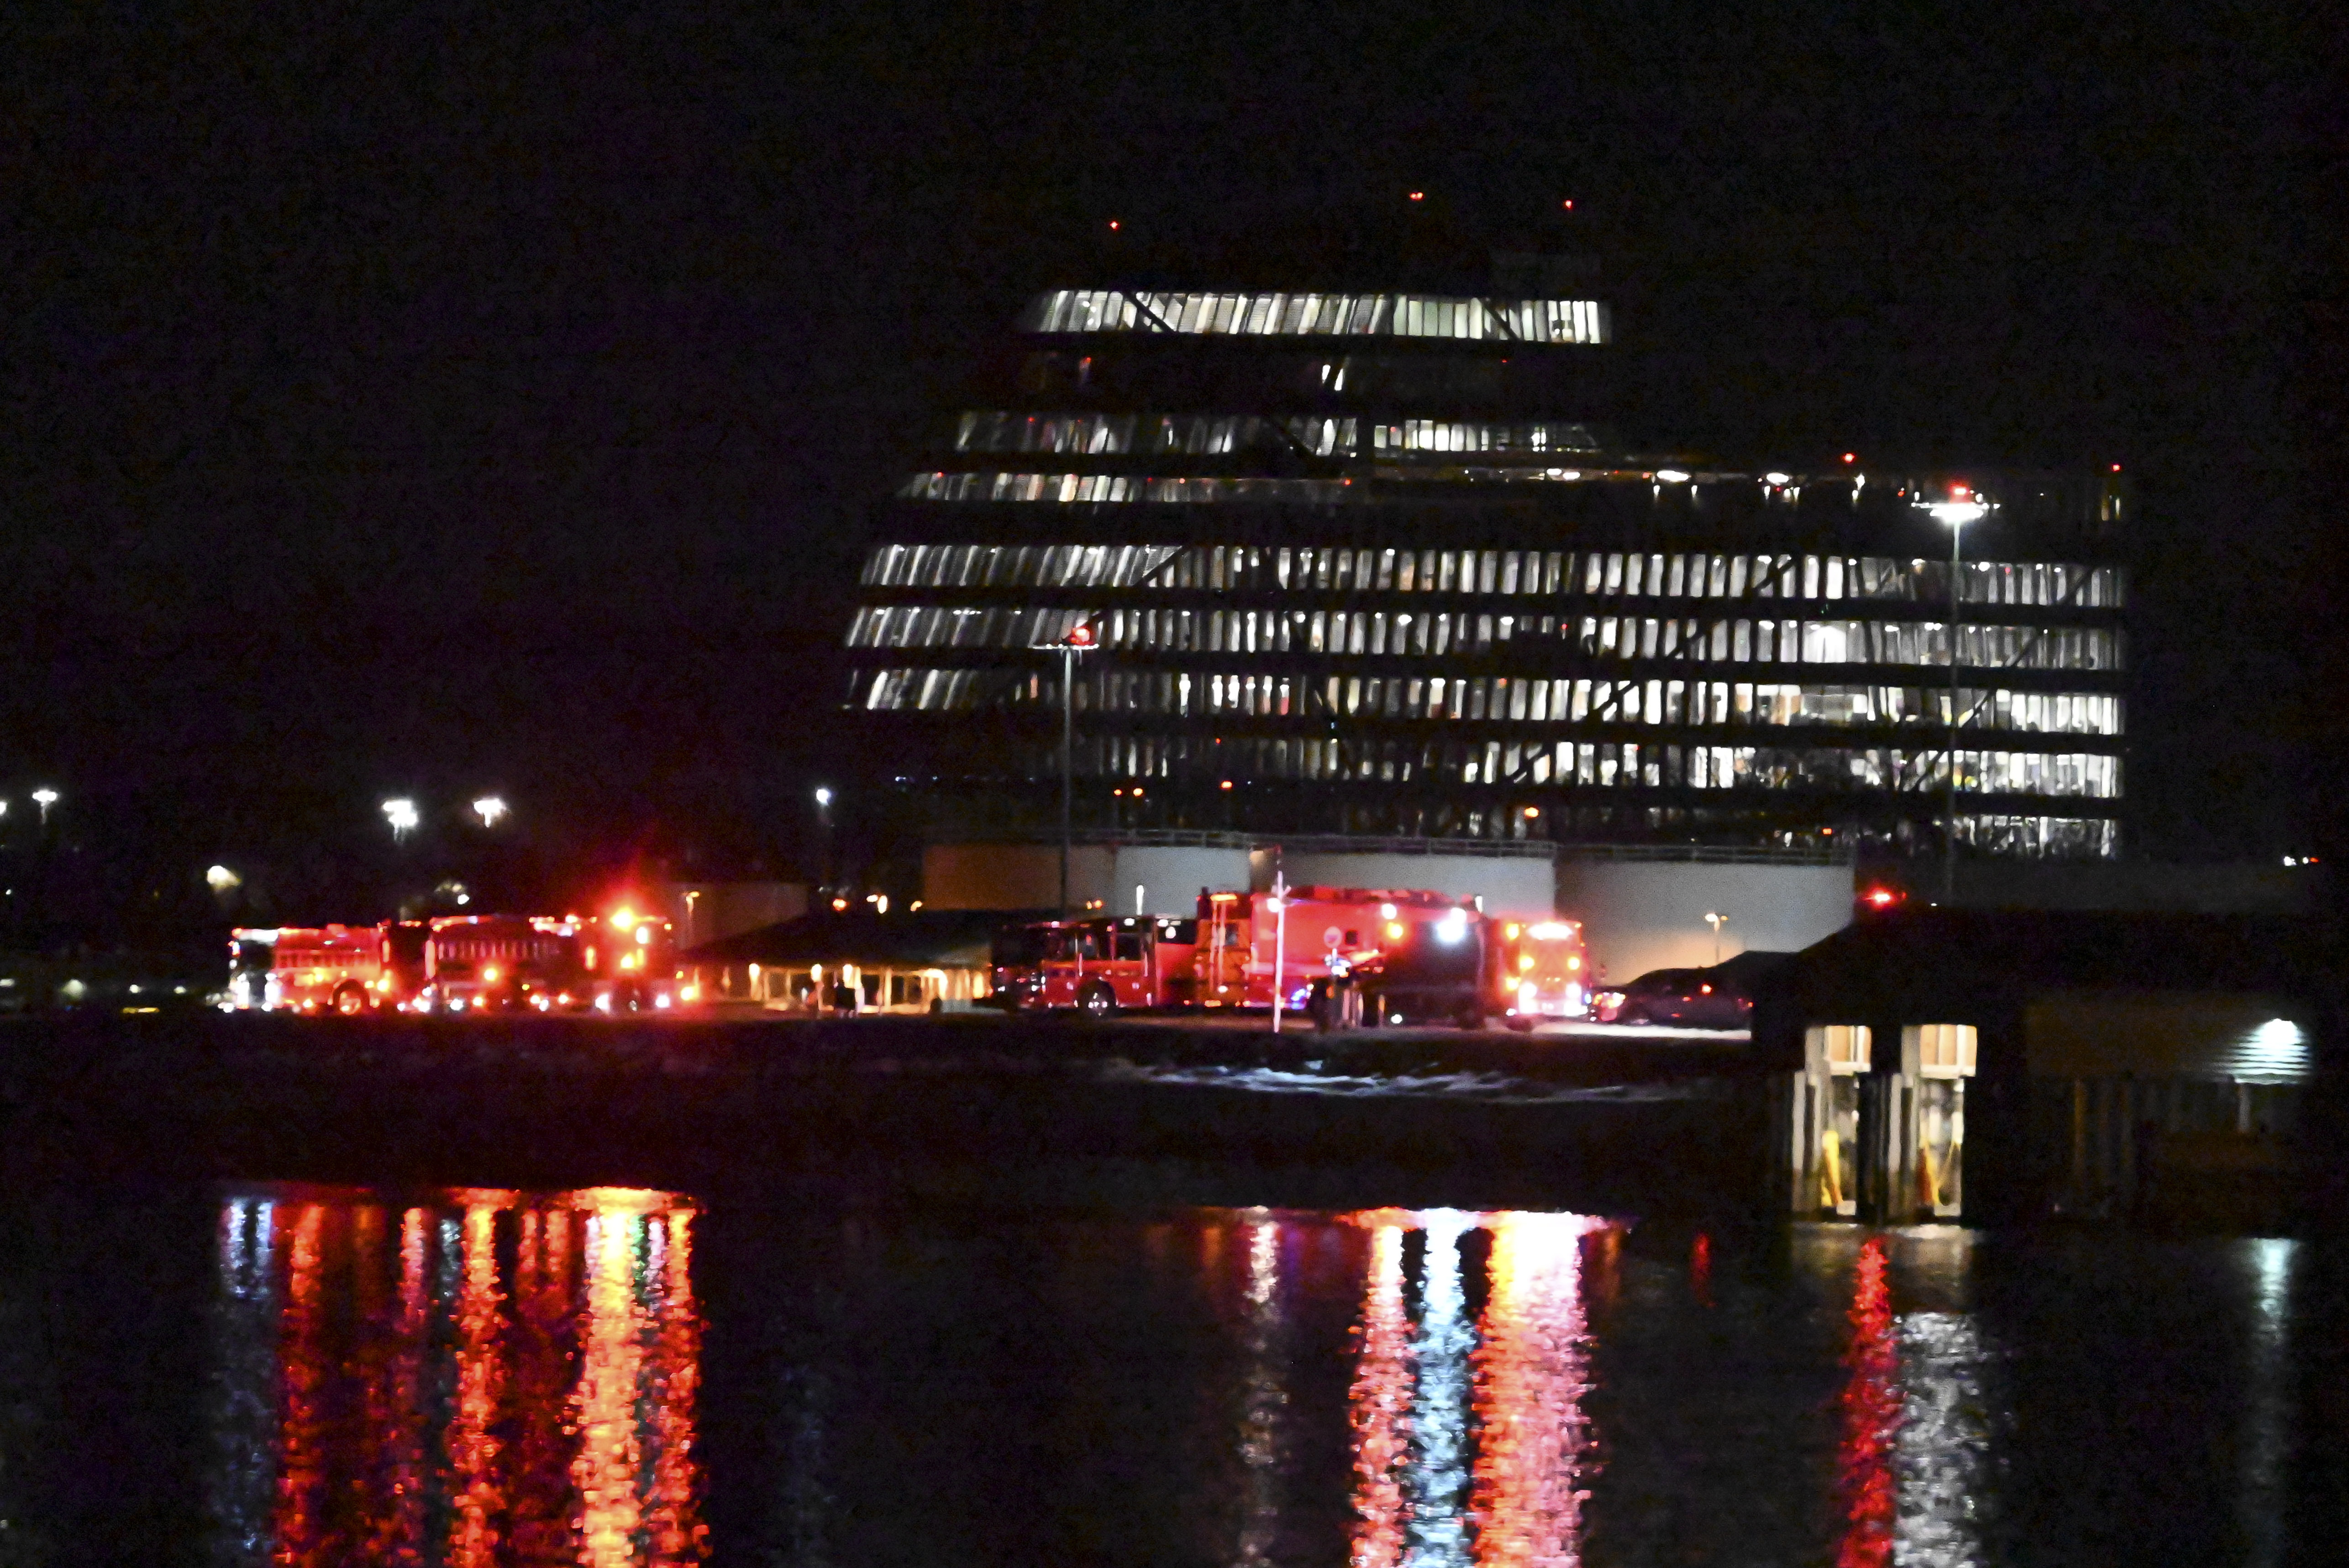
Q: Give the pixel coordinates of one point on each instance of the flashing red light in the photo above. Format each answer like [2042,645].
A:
[1417,195]
[1568,204]
[1959,492]
[1081,638]
[2116,468]
[1882,897]
[1851,457]
[1112,223]
[1225,785]
[840,903]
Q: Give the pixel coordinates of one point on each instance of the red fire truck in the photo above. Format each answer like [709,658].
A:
[624,963]
[304,969]
[488,962]
[629,963]
[1542,970]
[1412,956]
[1099,965]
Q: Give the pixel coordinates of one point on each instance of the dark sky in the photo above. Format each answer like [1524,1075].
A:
[435,398]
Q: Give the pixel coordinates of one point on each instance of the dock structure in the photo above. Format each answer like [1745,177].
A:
[2004,1065]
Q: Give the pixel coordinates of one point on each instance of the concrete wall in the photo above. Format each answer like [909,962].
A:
[1522,889]
[1640,915]
[1028,876]
[717,910]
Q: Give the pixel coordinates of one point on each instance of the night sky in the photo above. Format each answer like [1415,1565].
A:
[437,400]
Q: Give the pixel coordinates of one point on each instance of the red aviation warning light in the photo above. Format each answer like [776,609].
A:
[1851,457]
[1881,897]
[1081,635]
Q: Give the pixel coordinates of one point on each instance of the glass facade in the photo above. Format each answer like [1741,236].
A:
[1542,321]
[1306,613]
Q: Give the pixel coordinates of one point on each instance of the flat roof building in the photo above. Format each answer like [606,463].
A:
[1374,563]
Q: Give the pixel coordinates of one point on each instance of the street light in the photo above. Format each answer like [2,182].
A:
[1964,506]
[1080,640]
[490,809]
[823,821]
[44,798]
[402,815]
[1716,921]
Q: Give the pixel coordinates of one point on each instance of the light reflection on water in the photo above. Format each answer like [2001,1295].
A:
[493,1377]
[1470,1438]
[489,1378]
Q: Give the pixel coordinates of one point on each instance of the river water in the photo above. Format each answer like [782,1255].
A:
[335,1376]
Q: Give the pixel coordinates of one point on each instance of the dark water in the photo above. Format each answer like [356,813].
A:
[619,1376]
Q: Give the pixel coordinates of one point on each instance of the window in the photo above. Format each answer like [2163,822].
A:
[1839,1047]
[1317,315]
[1942,1050]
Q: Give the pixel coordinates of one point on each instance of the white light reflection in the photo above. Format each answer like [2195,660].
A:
[1437,1483]
[1470,1440]
[1264,1396]
[2267,1402]
[1941,1452]
[244,1431]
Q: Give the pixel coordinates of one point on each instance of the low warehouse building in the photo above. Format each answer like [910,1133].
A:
[921,961]
[1977,1064]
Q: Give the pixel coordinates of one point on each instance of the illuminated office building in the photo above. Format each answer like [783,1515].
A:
[1375,563]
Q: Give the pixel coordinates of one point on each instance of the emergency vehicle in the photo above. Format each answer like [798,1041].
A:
[1412,956]
[304,969]
[1541,970]
[485,963]
[627,963]
[1098,964]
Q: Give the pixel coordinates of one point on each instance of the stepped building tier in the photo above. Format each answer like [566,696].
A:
[1378,563]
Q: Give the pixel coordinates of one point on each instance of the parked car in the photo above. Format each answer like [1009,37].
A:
[1720,997]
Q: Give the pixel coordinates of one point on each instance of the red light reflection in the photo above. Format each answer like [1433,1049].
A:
[1379,1405]
[558,1392]
[1871,1417]
[1532,1442]
[1533,1373]
[303,1436]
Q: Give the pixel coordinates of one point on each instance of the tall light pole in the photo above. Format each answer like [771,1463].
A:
[44,798]
[1716,921]
[1962,508]
[1080,640]
[823,821]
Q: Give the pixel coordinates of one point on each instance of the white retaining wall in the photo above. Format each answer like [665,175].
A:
[1640,915]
